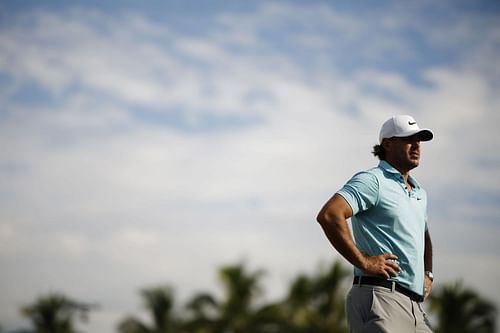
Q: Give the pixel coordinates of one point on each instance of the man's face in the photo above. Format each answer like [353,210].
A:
[404,152]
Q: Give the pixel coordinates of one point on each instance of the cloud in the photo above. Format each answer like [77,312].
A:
[152,151]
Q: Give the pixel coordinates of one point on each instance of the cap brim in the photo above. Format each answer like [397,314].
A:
[424,134]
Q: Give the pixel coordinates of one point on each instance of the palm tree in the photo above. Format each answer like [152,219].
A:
[316,303]
[313,304]
[55,313]
[159,302]
[240,288]
[462,310]
[203,310]
[329,299]
[296,311]
[236,312]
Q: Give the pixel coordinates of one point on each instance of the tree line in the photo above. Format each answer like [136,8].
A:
[312,304]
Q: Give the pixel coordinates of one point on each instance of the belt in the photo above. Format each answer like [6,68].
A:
[376,281]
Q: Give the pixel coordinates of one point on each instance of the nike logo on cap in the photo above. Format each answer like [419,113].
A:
[412,123]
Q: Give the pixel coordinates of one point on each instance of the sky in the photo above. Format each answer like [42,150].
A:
[145,143]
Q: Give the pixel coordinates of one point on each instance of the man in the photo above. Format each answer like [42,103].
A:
[391,251]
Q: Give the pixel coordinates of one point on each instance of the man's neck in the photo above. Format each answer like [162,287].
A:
[403,171]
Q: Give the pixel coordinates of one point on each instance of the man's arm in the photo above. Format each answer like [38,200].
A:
[427,263]
[333,219]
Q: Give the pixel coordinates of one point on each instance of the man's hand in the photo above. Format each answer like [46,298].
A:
[381,265]
[427,286]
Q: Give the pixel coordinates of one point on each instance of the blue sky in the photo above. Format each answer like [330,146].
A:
[151,142]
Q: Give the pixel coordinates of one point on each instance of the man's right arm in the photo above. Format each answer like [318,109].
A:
[333,219]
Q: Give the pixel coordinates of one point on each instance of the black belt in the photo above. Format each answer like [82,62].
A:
[376,281]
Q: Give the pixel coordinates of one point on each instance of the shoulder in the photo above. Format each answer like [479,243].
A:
[367,177]
[362,190]
[365,182]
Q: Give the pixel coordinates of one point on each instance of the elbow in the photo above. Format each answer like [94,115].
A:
[334,212]
[320,218]
[331,219]
[324,218]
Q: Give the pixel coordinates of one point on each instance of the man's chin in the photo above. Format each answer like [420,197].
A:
[414,164]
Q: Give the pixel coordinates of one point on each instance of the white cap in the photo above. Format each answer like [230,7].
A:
[403,126]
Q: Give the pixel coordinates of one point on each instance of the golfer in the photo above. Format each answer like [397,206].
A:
[391,250]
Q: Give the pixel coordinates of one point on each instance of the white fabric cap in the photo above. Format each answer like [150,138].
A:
[403,126]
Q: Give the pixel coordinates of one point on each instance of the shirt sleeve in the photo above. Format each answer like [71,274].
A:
[361,191]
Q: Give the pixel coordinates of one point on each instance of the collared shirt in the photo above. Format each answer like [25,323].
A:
[387,218]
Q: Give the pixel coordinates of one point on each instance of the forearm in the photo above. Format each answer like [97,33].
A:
[333,219]
[339,235]
[428,252]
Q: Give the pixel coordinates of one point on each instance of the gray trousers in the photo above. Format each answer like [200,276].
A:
[373,309]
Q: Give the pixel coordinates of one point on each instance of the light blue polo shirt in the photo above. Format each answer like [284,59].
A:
[389,219]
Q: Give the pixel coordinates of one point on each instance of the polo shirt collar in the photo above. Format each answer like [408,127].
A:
[384,165]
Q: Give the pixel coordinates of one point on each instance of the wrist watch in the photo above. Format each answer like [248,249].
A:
[430,275]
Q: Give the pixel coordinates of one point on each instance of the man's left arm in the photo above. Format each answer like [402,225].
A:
[427,264]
